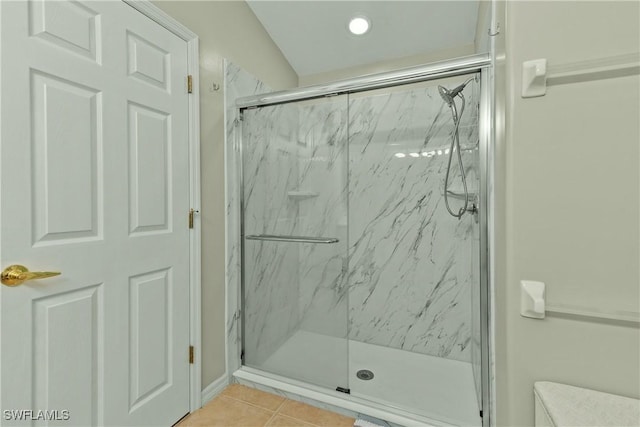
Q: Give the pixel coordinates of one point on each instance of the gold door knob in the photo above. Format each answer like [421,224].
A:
[15,275]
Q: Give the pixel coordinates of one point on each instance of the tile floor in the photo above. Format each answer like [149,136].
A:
[240,406]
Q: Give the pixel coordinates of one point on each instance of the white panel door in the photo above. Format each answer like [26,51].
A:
[95,184]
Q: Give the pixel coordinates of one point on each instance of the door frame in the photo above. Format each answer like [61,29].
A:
[151,11]
[146,8]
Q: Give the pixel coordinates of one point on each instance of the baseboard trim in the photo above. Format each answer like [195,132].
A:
[213,389]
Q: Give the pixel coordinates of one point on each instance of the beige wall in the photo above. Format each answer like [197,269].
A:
[227,29]
[482,27]
[569,215]
[382,66]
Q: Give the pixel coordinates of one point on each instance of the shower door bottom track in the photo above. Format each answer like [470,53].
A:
[335,401]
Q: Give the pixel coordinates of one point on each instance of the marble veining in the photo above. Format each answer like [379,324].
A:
[403,272]
[323,170]
[237,83]
[271,279]
[410,268]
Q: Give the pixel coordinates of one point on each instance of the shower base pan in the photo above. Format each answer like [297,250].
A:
[408,389]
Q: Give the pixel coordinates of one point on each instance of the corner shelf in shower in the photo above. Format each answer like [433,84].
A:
[302,195]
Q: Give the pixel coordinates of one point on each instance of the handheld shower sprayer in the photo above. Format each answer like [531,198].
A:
[449,95]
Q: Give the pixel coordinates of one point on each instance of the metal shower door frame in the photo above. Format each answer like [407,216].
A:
[486,206]
[480,63]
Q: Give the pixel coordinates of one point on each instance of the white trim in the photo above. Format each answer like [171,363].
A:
[491,226]
[159,16]
[1,260]
[214,389]
[196,232]
[151,11]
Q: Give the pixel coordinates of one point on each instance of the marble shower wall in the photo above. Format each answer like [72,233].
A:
[403,265]
[323,174]
[294,179]
[270,172]
[237,83]
[410,268]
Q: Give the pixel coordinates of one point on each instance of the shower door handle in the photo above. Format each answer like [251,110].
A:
[292,239]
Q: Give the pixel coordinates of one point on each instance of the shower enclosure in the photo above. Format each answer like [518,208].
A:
[355,278]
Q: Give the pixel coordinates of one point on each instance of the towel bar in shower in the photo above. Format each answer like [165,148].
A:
[295,239]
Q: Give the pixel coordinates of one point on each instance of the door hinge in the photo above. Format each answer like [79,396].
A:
[191,213]
[189,83]
[191,357]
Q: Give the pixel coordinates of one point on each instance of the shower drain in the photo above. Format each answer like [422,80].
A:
[364,374]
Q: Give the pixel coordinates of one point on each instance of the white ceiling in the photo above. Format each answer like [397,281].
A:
[313,34]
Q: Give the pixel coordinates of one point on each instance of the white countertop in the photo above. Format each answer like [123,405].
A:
[567,405]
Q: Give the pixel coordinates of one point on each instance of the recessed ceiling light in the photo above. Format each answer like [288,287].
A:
[359,25]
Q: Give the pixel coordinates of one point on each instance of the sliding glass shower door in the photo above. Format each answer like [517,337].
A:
[411,272]
[356,276]
[295,244]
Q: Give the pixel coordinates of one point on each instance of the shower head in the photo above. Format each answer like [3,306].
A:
[445,94]
[449,94]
